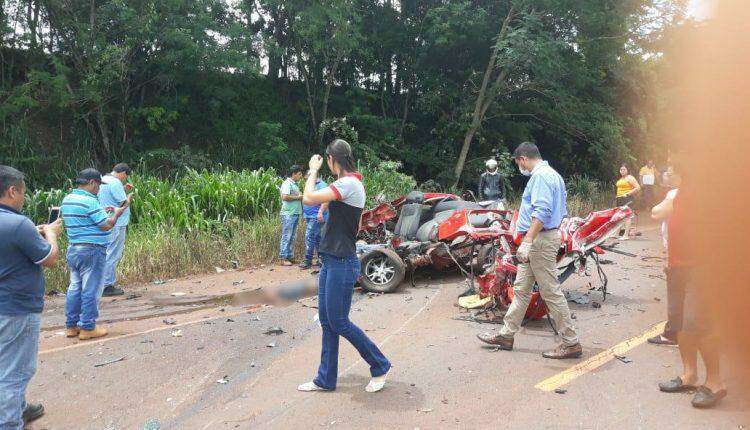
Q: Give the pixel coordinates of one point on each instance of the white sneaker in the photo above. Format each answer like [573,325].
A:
[310,386]
[376,384]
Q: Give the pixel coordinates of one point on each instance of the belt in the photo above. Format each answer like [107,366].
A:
[89,245]
[549,229]
[542,230]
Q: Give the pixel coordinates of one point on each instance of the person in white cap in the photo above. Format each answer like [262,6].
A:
[491,185]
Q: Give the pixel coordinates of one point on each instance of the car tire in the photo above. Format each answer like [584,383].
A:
[382,271]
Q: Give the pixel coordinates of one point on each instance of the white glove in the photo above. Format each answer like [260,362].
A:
[523,252]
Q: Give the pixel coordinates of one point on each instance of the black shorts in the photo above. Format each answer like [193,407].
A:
[686,309]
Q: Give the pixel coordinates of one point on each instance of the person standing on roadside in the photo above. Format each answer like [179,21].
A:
[543,207]
[627,188]
[688,316]
[291,211]
[113,193]
[87,226]
[346,199]
[315,216]
[491,185]
[662,212]
[648,174]
[24,250]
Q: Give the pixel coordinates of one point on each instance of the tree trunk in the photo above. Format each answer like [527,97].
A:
[102,123]
[404,117]
[483,101]
[327,95]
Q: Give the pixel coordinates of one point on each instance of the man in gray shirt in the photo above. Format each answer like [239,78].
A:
[24,249]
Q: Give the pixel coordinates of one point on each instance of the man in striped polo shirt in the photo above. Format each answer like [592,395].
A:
[87,225]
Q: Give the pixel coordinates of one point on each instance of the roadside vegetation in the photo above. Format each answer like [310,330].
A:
[194,221]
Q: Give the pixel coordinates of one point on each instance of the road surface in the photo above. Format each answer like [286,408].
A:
[212,366]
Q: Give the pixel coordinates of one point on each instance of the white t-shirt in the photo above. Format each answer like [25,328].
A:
[671,194]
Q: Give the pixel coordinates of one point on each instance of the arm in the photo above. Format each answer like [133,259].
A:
[635,184]
[541,207]
[536,227]
[321,212]
[664,209]
[313,197]
[42,249]
[286,194]
[481,186]
[99,217]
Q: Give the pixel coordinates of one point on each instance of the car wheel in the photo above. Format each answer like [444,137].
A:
[382,271]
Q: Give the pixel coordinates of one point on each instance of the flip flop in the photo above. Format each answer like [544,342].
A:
[705,398]
[661,340]
[675,386]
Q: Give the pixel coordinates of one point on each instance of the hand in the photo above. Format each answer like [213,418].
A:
[316,162]
[40,229]
[522,254]
[53,229]
[320,217]
[109,208]
[128,187]
[130,197]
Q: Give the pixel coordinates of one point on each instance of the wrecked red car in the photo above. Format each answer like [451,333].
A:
[581,242]
[425,229]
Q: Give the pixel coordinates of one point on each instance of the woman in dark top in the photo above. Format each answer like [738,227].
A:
[346,198]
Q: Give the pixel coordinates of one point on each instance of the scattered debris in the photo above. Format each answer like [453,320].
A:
[271,345]
[132,296]
[425,410]
[219,269]
[152,424]
[315,272]
[444,401]
[117,360]
[657,299]
[240,282]
[235,264]
[169,321]
[577,297]
[177,333]
[560,391]
[603,261]
[178,294]
[223,380]
[252,364]
[623,358]
[274,331]
[230,320]
[200,348]
[573,316]
[408,298]
[158,282]
[596,305]
[373,294]
[652,258]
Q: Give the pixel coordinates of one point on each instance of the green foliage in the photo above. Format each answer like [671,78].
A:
[385,178]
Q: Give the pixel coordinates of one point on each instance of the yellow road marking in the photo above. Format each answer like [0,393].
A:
[568,375]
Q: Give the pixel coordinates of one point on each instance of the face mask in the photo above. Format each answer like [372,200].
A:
[523,171]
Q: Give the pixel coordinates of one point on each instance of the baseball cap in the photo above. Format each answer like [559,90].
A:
[86,175]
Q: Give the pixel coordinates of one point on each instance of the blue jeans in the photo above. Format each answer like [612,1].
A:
[335,287]
[288,230]
[19,347]
[312,238]
[86,283]
[114,253]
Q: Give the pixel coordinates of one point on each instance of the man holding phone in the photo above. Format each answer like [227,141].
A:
[24,250]
[87,225]
[113,193]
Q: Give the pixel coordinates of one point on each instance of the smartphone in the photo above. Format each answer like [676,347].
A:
[54,214]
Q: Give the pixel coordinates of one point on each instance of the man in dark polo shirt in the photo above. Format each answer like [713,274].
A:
[23,250]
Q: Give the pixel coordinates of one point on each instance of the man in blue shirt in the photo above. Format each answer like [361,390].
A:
[24,250]
[87,225]
[315,216]
[113,193]
[543,207]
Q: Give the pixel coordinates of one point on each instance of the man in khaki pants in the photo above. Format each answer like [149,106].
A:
[542,209]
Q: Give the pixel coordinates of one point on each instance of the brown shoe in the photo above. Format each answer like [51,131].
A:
[505,343]
[287,263]
[92,334]
[72,332]
[564,351]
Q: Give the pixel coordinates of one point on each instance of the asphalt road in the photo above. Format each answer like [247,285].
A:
[213,367]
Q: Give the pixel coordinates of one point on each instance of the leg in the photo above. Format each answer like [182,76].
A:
[708,346]
[675,304]
[19,346]
[316,238]
[293,235]
[689,354]
[92,272]
[342,274]
[73,295]
[329,355]
[285,237]
[310,238]
[521,299]
[542,260]
[114,254]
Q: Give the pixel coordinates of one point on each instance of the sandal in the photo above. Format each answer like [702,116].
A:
[675,386]
[660,339]
[705,398]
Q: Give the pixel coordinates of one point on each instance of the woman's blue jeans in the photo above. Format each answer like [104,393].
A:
[335,288]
